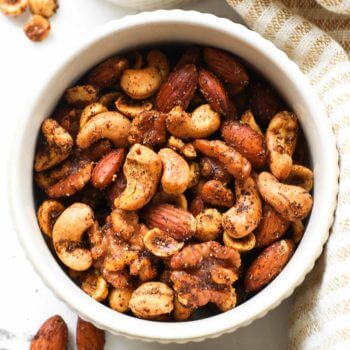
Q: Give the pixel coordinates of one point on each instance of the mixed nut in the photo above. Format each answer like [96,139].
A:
[170,182]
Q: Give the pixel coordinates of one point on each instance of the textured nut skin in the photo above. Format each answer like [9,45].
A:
[88,337]
[271,227]
[246,141]
[197,206]
[264,102]
[202,122]
[214,92]
[215,193]
[152,299]
[47,214]
[234,162]
[291,202]
[107,167]
[178,89]
[245,215]
[149,129]
[226,67]
[268,265]
[59,146]
[176,222]
[107,73]
[176,172]
[142,170]
[281,137]
[212,169]
[52,335]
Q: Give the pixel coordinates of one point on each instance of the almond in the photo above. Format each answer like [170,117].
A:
[178,223]
[190,56]
[52,335]
[271,228]
[268,265]
[246,141]
[89,337]
[107,167]
[226,67]
[178,90]
[214,92]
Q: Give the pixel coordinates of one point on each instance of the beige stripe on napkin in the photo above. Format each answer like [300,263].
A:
[320,315]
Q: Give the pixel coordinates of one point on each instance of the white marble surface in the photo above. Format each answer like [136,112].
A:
[24,301]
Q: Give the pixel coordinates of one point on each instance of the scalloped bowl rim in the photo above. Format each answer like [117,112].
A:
[293,274]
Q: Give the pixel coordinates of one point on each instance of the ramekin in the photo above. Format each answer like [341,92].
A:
[166,27]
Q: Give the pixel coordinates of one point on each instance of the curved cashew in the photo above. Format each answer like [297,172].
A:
[95,286]
[300,176]
[110,125]
[81,95]
[292,202]
[13,7]
[48,212]
[67,235]
[281,136]
[109,98]
[201,123]
[234,162]
[59,146]
[132,108]
[208,225]
[142,169]
[142,83]
[244,217]
[242,245]
[176,172]
[119,299]
[90,111]
[179,200]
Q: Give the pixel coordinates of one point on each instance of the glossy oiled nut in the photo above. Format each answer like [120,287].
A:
[48,213]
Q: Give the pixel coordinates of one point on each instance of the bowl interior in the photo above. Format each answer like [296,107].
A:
[186,27]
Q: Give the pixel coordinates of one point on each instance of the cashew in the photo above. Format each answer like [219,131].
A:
[186,149]
[202,122]
[90,111]
[81,95]
[292,202]
[67,236]
[110,125]
[281,136]
[46,8]
[298,230]
[208,225]
[144,82]
[242,245]
[119,299]
[136,59]
[248,118]
[194,175]
[132,108]
[95,286]
[152,299]
[161,244]
[58,148]
[109,98]
[142,169]
[48,212]
[300,176]
[179,200]
[13,7]
[244,217]
[176,172]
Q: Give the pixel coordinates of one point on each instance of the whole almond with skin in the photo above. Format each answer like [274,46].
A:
[271,227]
[268,265]
[107,167]
[89,337]
[177,223]
[225,66]
[246,141]
[214,92]
[178,89]
[52,335]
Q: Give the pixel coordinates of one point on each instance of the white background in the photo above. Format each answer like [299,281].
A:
[24,301]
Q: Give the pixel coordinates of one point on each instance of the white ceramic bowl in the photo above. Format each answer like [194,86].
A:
[164,27]
[143,5]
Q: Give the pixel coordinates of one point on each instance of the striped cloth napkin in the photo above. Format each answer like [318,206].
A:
[316,35]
